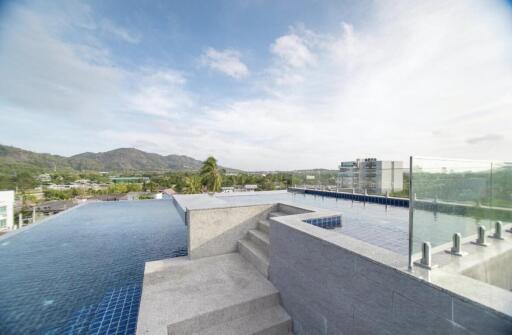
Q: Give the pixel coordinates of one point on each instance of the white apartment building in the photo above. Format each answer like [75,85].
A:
[371,175]
[6,210]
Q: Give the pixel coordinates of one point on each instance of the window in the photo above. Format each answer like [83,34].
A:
[3,223]
[3,210]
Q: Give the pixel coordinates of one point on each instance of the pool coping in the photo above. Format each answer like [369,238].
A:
[31,225]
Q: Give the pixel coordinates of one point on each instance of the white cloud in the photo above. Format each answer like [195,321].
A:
[117,31]
[161,93]
[293,50]
[413,78]
[42,74]
[485,138]
[378,89]
[226,61]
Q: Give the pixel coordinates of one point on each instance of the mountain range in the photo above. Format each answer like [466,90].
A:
[118,160]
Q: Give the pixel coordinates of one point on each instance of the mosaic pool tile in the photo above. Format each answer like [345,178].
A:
[60,276]
[329,222]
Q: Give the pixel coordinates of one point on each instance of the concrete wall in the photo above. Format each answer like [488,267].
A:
[216,231]
[334,285]
[290,209]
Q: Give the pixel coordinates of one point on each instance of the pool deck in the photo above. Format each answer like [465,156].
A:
[214,200]
[379,234]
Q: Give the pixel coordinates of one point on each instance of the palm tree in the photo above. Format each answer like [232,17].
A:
[193,184]
[211,175]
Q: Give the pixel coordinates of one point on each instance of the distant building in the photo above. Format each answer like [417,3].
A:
[44,178]
[227,189]
[120,180]
[169,191]
[55,206]
[58,187]
[6,210]
[371,175]
[77,185]
[250,187]
[310,177]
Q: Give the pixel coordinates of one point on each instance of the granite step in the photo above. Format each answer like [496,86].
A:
[182,296]
[225,316]
[255,255]
[270,321]
[264,226]
[275,214]
[261,239]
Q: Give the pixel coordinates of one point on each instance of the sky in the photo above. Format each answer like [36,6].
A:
[260,85]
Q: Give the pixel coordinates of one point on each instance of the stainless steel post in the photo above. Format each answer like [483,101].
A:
[426,254]
[411,213]
[482,238]
[498,230]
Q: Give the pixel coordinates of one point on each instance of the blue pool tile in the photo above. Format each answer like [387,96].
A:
[62,274]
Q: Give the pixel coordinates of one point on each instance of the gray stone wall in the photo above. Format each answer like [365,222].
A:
[330,289]
[290,209]
[216,231]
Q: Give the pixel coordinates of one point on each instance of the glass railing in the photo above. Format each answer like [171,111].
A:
[456,196]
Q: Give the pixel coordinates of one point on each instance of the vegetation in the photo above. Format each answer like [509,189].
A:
[193,184]
[405,192]
[211,175]
[145,197]
[72,193]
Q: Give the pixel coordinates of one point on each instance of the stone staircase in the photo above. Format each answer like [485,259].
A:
[261,316]
[255,247]
[227,294]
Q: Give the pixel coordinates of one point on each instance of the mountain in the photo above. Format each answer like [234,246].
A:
[123,159]
[132,159]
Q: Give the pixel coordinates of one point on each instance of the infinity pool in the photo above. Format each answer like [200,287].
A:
[376,224]
[81,272]
[384,226]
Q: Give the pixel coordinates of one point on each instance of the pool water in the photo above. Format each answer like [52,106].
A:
[376,224]
[81,272]
[380,225]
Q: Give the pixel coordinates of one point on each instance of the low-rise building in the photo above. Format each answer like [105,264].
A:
[120,180]
[227,189]
[44,178]
[250,187]
[6,210]
[77,185]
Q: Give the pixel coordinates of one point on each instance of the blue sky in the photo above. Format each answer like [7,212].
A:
[259,84]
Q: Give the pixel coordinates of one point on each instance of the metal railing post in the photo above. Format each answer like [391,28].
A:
[411,213]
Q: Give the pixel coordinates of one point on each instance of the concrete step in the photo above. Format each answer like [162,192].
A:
[261,239]
[270,321]
[222,317]
[254,255]
[264,226]
[182,296]
[274,214]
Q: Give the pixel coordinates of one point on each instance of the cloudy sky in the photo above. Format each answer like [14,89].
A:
[259,84]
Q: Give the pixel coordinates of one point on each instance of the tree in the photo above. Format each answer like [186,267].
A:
[193,184]
[24,181]
[211,175]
